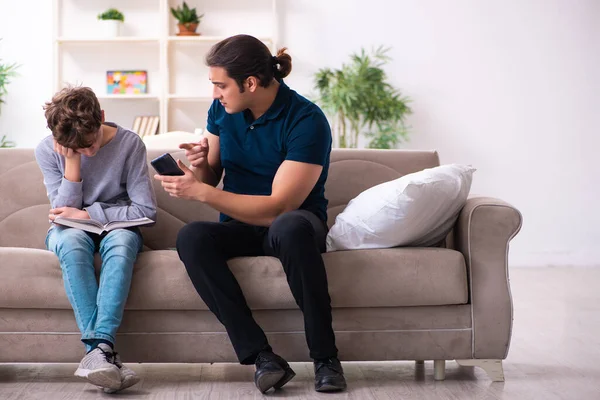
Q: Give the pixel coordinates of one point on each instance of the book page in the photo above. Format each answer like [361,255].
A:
[87,225]
[126,224]
[96,227]
[65,221]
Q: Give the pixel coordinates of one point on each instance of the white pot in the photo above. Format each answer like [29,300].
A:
[110,28]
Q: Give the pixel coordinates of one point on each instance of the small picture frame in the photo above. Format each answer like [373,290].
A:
[126,82]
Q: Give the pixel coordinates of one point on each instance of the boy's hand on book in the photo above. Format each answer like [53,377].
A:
[68,212]
[183,186]
[196,153]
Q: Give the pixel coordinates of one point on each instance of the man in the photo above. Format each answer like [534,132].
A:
[95,170]
[274,147]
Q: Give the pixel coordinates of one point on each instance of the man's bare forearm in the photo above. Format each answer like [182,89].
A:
[251,209]
[206,175]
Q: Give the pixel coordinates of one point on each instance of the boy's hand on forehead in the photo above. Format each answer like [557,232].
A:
[196,153]
[65,151]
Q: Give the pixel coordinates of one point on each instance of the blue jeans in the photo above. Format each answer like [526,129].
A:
[98,308]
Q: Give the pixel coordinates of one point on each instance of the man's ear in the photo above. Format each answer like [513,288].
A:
[102,111]
[251,83]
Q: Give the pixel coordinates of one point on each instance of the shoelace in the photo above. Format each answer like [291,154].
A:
[328,364]
[116,360]
[262,359]
[110,357]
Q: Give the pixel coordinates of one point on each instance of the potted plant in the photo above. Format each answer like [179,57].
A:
[111,21]
[5,143]
[187,20]
[7,71]
[358,98]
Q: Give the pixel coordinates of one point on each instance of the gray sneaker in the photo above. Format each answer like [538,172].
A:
[128,376]
[97,367]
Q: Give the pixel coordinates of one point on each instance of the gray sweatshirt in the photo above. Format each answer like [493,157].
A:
[115,183]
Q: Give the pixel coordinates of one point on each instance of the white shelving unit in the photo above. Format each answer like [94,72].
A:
[127,97]
[65,40]
[178,87]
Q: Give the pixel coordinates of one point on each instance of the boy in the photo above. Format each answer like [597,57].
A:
[95,170]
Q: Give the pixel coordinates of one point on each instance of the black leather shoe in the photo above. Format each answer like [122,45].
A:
[272,371]
[329,375]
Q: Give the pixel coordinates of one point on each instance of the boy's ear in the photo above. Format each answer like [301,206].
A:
[102,116]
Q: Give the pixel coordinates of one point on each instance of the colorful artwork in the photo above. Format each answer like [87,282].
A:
[126,82]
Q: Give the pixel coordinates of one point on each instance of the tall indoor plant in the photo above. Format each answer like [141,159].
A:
[7,71]
[359,99]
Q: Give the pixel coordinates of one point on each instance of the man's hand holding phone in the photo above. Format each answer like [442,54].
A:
[166,165]
[177,179]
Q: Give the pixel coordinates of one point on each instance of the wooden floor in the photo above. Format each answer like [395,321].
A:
[555,354]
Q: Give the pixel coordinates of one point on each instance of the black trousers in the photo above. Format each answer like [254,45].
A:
[297,238]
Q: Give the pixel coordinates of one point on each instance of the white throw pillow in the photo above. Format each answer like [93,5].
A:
[417,209]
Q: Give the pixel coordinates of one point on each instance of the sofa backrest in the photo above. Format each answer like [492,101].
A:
[24,205]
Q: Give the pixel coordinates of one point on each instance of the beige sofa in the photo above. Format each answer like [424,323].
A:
[437,304]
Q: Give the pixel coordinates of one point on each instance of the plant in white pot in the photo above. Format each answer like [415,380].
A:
[111,21]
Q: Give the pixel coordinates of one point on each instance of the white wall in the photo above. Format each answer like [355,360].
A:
[28,44]
[510,86]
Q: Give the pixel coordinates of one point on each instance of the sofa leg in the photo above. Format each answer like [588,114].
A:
[439,370]
[492,367]
[419,362]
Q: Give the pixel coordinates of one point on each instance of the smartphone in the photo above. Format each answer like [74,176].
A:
[166,165]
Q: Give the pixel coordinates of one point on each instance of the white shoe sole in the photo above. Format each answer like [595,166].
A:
[128,381]
[106,377]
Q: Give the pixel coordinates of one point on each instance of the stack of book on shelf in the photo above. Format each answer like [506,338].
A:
[146,125]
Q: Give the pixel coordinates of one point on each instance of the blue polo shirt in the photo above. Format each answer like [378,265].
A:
[293,128]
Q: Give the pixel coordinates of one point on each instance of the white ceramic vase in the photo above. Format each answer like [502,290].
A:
[110,27]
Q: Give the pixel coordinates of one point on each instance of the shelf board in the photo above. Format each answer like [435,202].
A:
[208,39]
[176,97]
[127,97]
[119,39]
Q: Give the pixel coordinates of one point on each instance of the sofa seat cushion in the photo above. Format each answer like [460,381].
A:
[32,278]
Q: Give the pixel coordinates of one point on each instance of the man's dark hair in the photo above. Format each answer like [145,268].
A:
[243,56]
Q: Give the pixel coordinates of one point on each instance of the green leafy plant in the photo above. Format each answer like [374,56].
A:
[7,71]
[358,99]
[112,14]
[6,143]
[186,15]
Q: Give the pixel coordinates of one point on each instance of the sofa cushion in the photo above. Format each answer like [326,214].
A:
[418,209]
[24,204]
[32,278]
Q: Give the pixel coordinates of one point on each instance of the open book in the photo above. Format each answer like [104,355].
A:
[90,225]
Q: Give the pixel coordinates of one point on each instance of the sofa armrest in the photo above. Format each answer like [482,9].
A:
[484,228]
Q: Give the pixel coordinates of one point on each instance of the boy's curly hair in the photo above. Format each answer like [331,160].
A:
[74,116]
